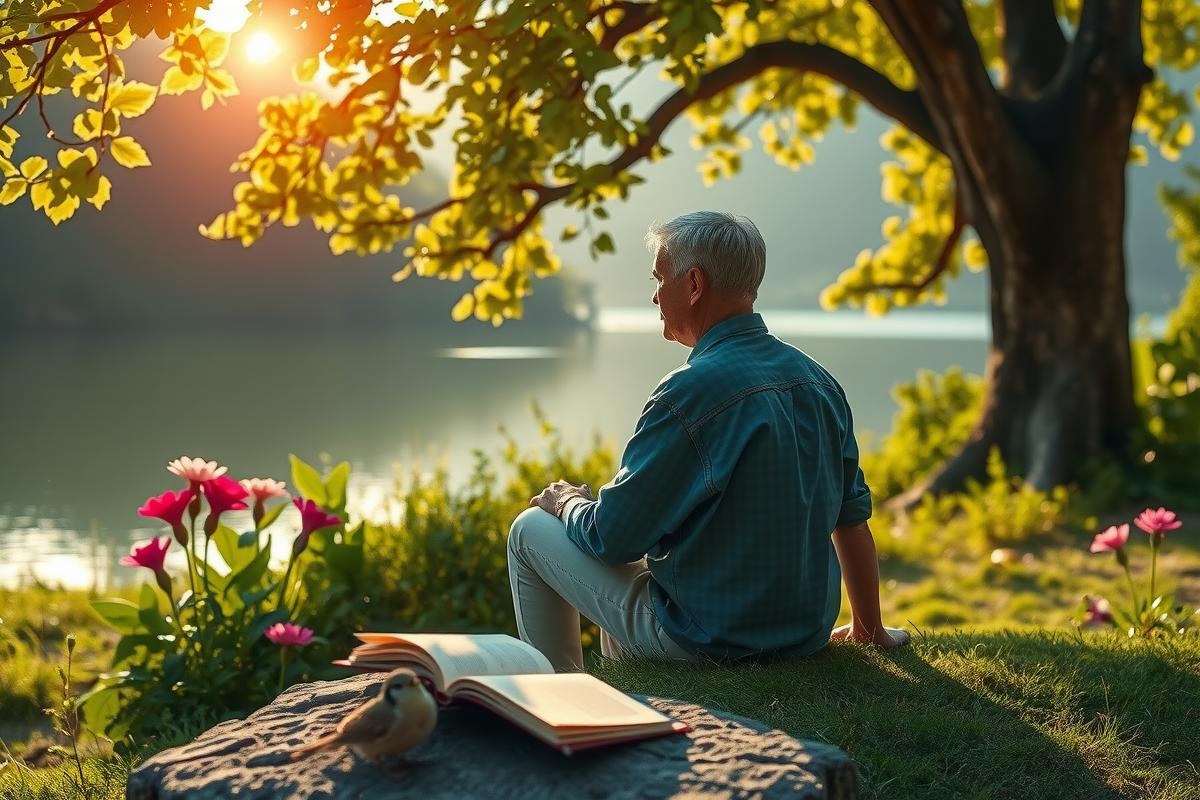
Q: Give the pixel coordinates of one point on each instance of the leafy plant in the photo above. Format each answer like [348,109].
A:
[1146,615]
[203,654]
[935,416]
[442,563]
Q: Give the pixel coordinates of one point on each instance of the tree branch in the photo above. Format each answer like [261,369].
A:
[966,109]
[904,106]
[1034,45]
[943,260]
[82,18]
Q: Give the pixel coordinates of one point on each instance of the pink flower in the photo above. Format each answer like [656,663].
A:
[1112,538]
[1157,523]
[1099,611]
[263,488]
[150,555]
[289,634]
[312,518]
[196,470]
[223,494]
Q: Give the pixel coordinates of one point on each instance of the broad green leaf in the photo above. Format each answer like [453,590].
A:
[100,706]
[120,614]
[335,487]
[128,153]
[271,514]
[308,482]
[232,552]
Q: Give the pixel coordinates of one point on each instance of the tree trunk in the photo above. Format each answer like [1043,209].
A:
[1059,377]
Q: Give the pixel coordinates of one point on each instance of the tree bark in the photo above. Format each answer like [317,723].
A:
[1059,377]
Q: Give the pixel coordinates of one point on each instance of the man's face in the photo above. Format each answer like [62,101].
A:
[671,297]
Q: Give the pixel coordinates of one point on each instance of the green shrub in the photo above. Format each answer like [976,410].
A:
[936,415]
[442,566]
[1002,511]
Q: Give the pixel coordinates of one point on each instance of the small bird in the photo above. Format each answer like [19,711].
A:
[400,718]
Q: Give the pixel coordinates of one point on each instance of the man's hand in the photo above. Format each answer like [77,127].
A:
[884,637]
[555,496]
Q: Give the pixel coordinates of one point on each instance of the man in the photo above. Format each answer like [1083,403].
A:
[714,538]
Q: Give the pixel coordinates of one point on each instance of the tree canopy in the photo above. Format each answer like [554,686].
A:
[531,93]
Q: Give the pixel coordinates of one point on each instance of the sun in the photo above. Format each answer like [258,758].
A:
[261,47]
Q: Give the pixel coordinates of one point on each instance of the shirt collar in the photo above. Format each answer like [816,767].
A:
[734,326]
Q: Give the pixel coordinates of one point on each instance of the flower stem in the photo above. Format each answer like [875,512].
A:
[287,574]
[1137,611]
[1153,567]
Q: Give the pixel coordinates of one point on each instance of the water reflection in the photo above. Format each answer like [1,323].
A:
[88,426]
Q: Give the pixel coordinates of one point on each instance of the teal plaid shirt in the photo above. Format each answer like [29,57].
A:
[742,464]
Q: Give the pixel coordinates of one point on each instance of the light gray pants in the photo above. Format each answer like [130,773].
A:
[553,582]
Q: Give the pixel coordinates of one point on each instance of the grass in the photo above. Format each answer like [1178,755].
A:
[976,715]
[1020,705]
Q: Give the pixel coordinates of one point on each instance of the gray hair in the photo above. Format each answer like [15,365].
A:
[728,248]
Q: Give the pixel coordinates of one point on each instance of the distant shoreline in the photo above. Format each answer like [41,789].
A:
[971,326]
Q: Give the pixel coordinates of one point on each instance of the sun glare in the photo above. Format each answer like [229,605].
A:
[261,47]
[224,16]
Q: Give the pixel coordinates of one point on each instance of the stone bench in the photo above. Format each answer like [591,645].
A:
[475,754]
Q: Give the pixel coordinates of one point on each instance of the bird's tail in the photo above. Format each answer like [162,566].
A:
[312,747]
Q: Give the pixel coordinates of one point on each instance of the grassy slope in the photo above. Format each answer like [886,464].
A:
[987,715]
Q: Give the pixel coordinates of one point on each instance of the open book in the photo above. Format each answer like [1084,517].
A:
[569,711]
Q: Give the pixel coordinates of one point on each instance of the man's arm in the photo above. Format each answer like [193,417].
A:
[860,570]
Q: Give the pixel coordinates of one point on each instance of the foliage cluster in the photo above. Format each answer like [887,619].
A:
[192,659]
[442,566]
[243,631]
[1168,369]
[540,113]
[934,416]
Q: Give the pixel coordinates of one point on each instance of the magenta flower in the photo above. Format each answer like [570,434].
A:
[196,470]
[223,494]
[1099,611]
[1112,538]
[289,634]
[150,554]
[169,507]
[1157,523]
[312,518]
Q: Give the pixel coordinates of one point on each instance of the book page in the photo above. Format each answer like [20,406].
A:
[570,700]
[462,654]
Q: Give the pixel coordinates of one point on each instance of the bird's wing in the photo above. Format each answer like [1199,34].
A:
[366,724]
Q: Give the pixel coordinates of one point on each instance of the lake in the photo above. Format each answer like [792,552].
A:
[88,425]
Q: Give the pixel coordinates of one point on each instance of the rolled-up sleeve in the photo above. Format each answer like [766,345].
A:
[661,480]
[856,495]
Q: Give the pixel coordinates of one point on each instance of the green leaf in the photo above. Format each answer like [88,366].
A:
[100,707]
[307,481]
[229,545]
[120,614]
[250,575]
[270,515]
[335,488]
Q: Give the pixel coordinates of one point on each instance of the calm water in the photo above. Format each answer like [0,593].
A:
[87,426]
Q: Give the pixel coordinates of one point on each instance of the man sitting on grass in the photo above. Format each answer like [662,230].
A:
[714,538]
